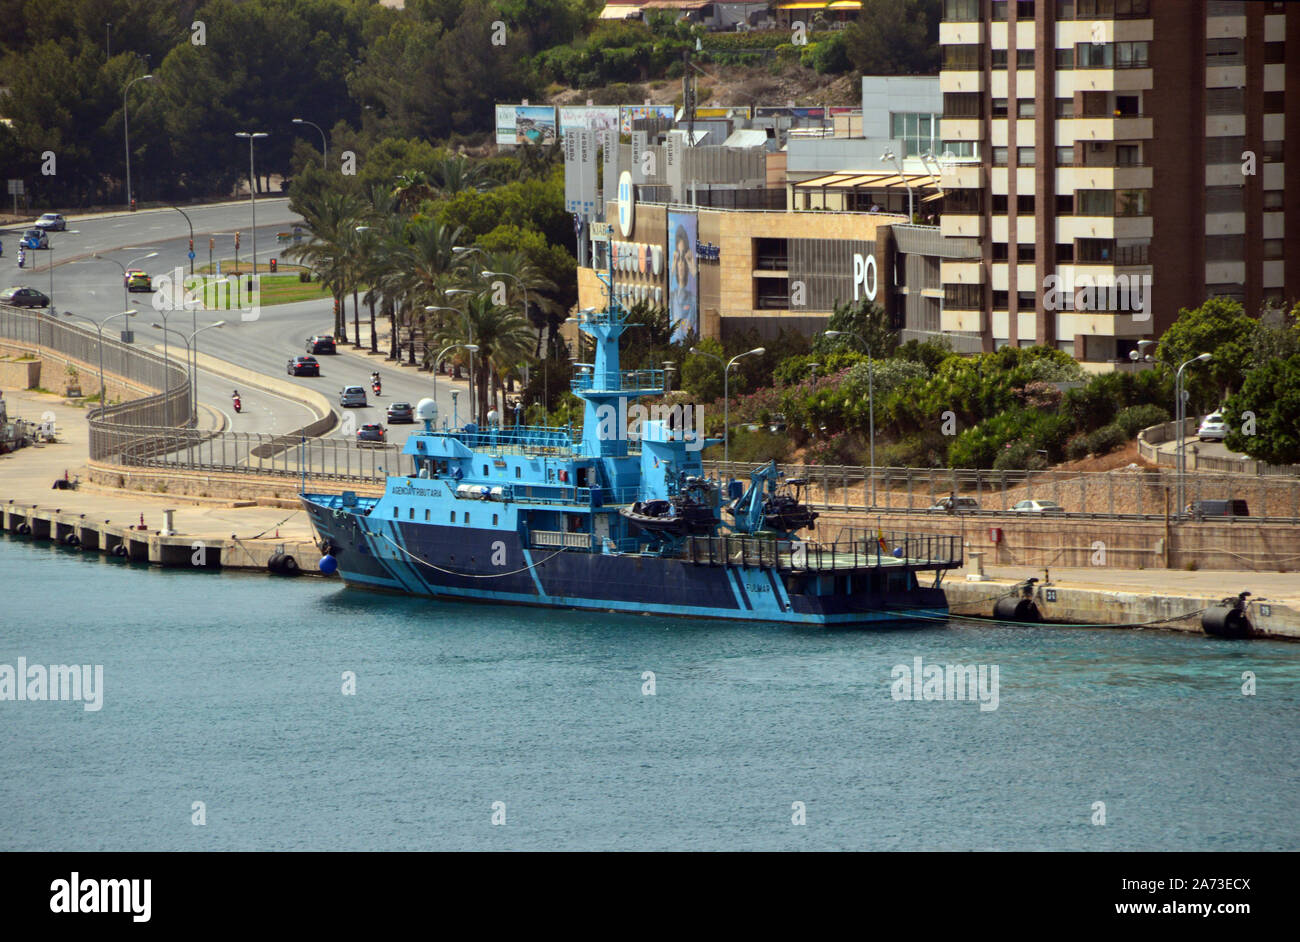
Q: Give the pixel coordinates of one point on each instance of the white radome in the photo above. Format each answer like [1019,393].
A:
[426,410]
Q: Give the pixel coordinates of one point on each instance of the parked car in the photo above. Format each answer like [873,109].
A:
[350,396]
[1038,507]
[20,296]
[1213,428]
[304,366]
[321,344]
[138,280]
[52,221]
[35,239]
[401,412]
[1217,508]
[372,433]
[956,505]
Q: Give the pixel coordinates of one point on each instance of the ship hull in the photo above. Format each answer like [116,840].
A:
[495,566]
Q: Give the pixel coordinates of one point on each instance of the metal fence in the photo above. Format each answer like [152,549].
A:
[170,408]
[1122,494]
[1149,440]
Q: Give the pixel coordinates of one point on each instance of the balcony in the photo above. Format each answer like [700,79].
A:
[963,81]
[638,382]
[955,226]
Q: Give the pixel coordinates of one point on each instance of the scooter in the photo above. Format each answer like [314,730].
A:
[376,387]
[237,403]
[22,258]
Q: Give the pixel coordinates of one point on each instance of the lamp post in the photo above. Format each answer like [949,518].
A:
[813,368]
[356,316]
[324,146]
[194,368]
[99,329]
[126,132]
[101,258]
[191,225]
[871,403]
[893,158]
[469,336]
[438,359]
[726,396]
[252,187]
[171,330]
[1180,411]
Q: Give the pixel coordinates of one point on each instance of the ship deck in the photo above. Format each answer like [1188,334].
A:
[899,550]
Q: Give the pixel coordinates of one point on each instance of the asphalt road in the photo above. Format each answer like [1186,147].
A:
[264,343]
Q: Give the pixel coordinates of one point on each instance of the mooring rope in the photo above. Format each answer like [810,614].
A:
[467,575]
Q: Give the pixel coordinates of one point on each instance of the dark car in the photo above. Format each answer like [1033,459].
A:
[956,505]
[372,433]
[304,366]
[1217,508]
[24,297]
[401,412]
[322,344]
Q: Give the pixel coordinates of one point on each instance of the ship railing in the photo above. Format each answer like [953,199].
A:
[879,550]
[518,439]
[617,380]
[558,538]
[575,496]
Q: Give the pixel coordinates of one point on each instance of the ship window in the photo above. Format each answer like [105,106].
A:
[494,520]
[412,514]
[453,516]
[467,516]
[426,515]
[395,512]
[485,471]
[518,471]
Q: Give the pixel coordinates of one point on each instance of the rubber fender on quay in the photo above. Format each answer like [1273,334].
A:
[24,529]
[1225,622]
[1013,609]
[71,539]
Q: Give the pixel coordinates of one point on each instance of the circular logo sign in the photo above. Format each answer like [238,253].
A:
[626,204]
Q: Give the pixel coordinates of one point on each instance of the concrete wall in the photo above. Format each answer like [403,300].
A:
[20,374]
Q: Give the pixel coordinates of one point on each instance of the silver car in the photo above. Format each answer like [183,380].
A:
[1213,428]
[352,396]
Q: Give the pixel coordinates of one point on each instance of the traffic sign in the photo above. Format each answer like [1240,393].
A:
[191,255]
[15,187]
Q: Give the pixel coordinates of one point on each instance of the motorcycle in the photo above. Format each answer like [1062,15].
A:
[22,258]
[376,386]
[237,403]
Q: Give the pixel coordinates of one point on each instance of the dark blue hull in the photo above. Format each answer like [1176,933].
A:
[496,566]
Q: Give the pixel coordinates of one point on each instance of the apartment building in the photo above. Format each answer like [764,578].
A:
[1113,161]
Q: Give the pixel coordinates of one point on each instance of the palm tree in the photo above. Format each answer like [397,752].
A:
[412,188]
[330,217]
[503,337]
[454,173]
[542,309]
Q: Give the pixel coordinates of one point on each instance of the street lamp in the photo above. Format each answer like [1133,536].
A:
[1180,410]
[126,132]
[871,403]
[471,347]
[813,368]
[726,396]
[891,157]
[252,187]
[191,225]
[469,335]
[101,258]
[324,146]
[194,368]
[99,329]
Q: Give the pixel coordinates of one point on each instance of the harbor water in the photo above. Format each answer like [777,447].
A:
[228,723]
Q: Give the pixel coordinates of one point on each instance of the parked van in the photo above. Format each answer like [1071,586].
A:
[1217,508]
[352,396]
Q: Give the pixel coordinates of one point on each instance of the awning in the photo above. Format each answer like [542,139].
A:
[619,11]
[846,5]
[876,180]
[933,196]
[802,6]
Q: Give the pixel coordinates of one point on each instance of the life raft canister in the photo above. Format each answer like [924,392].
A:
[564,476]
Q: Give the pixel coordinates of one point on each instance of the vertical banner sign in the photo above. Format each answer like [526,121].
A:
[683,276]
[673,157]
[572,174]
[609,144]
[640,142]
[587,172]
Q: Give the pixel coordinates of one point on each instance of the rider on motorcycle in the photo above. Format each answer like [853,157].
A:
[234,398]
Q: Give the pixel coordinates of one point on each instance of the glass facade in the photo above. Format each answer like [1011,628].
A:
[919,132]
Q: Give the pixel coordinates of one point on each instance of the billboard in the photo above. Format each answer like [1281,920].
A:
[683,276]
[588,118]
[629,113]
[525,124]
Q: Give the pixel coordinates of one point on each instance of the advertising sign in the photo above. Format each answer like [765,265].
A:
[588,118]
[629,113]
[683,276]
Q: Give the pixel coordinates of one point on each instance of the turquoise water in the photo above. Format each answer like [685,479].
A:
[226,689]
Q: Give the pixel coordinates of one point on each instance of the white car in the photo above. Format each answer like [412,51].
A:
[52,221]
[1213,428]
[1038,507]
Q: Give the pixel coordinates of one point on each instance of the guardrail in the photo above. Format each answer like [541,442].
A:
[1118,495]
[169,408]
[1149,440]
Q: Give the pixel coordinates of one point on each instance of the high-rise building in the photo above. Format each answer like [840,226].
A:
[1115,161]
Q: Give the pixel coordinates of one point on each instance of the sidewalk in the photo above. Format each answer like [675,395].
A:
[27,476]
[1275,586]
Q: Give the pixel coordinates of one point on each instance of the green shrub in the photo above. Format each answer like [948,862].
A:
[1135,418]
[1076,449]
[1019,456]
[827,56]
[1106,439]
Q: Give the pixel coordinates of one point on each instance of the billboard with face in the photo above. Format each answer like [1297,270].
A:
[683,276]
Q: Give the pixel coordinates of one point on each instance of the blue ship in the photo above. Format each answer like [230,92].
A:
[612,521]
